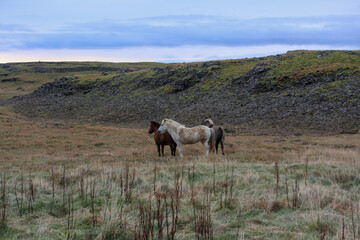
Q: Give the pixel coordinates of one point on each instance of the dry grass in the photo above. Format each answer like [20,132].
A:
[110,172]
[36,143]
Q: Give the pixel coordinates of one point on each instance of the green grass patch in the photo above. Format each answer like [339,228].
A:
[235,69]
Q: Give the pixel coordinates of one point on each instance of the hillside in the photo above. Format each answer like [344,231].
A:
[297,92]
[23,78]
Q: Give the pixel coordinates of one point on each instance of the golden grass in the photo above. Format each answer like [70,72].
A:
[26,143]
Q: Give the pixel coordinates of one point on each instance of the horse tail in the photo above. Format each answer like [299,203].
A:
[212,139]
[222,132]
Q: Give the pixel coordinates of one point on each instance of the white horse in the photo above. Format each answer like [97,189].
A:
[183,135]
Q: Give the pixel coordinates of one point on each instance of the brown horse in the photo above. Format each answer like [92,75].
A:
[162,139]
[219,134]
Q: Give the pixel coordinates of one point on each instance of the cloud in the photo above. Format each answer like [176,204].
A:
[189,30]
[14,28]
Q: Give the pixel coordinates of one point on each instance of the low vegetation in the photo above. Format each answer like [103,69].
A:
[67,181]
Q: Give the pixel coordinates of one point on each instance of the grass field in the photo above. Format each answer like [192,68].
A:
[69,181]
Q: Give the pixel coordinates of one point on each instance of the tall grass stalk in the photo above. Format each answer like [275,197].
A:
[3,207]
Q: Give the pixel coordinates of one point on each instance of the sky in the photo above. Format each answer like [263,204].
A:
[172,31]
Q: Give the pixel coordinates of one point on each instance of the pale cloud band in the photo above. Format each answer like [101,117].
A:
[156,54]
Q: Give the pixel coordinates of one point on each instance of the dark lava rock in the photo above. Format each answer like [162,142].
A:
[11,80]
[180,85]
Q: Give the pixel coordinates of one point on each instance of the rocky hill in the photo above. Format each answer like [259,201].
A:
[296,92]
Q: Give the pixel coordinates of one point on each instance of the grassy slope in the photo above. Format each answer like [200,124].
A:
[241,197]
[304,62]
[30,80]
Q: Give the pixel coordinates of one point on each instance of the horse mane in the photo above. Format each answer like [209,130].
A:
[155,123]
[172,122]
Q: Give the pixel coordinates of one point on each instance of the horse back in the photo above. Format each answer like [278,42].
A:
[194,134]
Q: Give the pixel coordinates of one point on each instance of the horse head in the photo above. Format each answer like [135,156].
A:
[153,126]
[163,126]
[208,122]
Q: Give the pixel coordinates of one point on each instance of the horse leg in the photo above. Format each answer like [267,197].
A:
[180,150]
[162,149]
[158,148]
[222,147]
[171,149]
[217,147]
[174,149]
[207,147]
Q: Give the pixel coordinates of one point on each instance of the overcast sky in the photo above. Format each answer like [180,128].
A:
[159,30]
